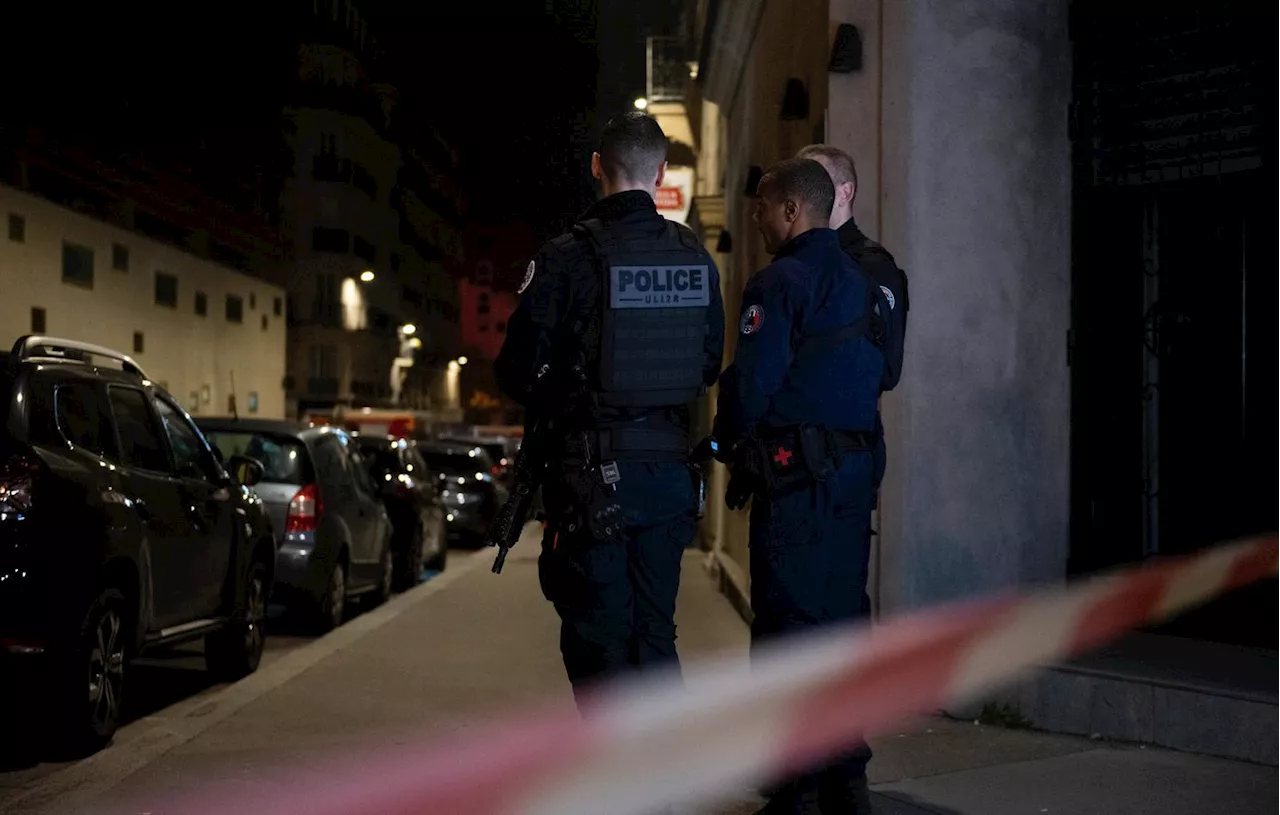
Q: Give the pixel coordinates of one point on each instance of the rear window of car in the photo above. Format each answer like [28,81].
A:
[284,459]
[450,462]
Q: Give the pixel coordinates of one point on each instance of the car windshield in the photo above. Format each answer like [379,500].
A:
[496,449]
[456,463]
[284,459]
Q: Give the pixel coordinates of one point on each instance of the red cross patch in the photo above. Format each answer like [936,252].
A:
[783,457]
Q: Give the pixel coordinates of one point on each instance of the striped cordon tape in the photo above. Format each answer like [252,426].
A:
[662,740]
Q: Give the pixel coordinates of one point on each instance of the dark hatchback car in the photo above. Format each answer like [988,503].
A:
[410,491]
[120,531]
[334,534]
[471,494]
[500,449]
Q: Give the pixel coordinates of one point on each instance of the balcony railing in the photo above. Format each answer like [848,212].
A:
[667,69]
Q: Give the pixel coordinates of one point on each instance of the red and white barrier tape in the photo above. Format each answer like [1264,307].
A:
[659,741]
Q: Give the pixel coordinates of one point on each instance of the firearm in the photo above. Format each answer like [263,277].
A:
[557,398]
[510,520]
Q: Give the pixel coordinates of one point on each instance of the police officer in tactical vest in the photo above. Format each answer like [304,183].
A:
[619,329]
[876,261]
[796,419]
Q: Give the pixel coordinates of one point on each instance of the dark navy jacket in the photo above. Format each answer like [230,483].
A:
[564,287]
[811,288]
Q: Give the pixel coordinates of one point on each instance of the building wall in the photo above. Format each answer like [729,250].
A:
[194,357]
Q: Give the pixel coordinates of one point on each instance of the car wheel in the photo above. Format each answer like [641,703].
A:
[333,606]
[438,547]
[90,719]
[236,651]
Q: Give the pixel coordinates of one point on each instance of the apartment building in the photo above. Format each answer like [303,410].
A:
[204,330]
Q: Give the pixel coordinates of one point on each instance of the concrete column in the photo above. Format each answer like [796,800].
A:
[958,122]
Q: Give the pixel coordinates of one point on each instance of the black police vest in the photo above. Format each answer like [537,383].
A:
[655,296]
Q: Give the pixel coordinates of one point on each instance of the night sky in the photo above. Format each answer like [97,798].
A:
[514,86]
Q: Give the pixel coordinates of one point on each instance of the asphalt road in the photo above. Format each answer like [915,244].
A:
[155,683]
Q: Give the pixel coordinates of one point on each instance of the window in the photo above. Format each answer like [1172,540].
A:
[264,322]
[483,307]
[331,465]
[365,250]
[326,302]
[360,472]
[80,421]
[17,228]
[202,303]
[395,261]
[253,300]
[166,290]
[277,306]
[253,401]
[235,308]
[77,265]
[191,457]
[324,239]
[284,460]
[119,257]
[37,320]
[140,444]
[137,342]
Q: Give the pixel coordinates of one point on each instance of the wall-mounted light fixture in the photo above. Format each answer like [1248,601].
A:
[846,50]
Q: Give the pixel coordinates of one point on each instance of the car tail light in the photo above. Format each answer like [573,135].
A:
[304,511]
[17,480]
[496,470]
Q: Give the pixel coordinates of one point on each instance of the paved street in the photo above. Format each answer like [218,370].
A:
[468,644]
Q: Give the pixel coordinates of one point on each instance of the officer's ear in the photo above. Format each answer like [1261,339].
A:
[791,210]
[662,173]
[597,171]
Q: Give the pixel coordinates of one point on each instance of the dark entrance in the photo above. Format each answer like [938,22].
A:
[1174,408]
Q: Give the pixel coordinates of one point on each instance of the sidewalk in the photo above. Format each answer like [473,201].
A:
[472,644]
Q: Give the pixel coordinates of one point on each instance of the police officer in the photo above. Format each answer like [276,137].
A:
[797,411]
[619,328]
[876,261]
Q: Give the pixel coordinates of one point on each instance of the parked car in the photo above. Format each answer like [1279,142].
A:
[500,449]
[469,490]
[333,532]
[410,490]
[120,531]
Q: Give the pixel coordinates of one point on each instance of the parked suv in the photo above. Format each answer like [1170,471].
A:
[120,531]
[334,533]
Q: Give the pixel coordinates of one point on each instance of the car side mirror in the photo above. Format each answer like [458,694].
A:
[245,470]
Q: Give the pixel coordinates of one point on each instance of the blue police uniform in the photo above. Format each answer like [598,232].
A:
[884,272]
[807,357]
[634,298]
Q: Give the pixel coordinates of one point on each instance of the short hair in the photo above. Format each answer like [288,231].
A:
[632,147]
[805,180]
[842,166]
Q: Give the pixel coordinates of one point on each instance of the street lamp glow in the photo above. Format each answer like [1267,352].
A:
[641,103]
[415,343]
[366,276]
[408,328]
[462,360]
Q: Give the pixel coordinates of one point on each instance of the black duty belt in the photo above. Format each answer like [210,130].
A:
[852,441]
[647,443]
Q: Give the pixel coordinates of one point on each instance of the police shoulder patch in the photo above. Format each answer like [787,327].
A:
[887,294]
[528,278]
[752,319]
